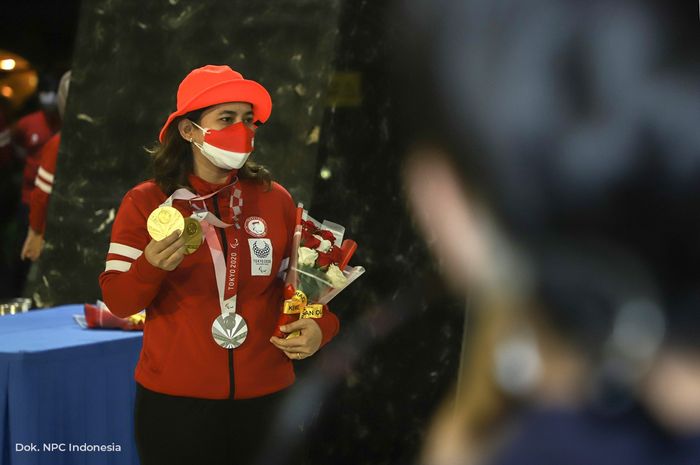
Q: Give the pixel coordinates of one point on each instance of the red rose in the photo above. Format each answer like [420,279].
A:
[324,259]
[308,240]
[309,225]
[336,254]
[327,235]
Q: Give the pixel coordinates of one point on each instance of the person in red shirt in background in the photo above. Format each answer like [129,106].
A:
[43,182]
[30,134]
[210,373]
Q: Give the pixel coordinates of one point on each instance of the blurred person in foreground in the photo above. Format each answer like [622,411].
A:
[43,182]
[558,183]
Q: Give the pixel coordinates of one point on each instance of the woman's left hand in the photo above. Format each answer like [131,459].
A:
[302,346]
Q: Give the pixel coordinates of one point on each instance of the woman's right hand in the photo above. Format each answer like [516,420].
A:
[168,253]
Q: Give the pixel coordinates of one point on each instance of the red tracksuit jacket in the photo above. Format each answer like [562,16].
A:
[43,184]
[179,356]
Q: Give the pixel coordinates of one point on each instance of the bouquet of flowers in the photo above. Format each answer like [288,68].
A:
[318,269]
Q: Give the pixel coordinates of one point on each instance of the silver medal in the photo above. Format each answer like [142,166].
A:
[229,330]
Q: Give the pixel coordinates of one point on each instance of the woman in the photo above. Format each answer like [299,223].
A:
[209,372]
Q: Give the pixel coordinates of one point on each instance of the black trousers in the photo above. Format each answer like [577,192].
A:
[184,430]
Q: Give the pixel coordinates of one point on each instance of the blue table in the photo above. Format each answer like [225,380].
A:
[64,387]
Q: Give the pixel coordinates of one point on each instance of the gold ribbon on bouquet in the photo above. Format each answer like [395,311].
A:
[139,318]
[298,304]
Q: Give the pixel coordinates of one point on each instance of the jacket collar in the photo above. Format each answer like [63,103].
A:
[203,187]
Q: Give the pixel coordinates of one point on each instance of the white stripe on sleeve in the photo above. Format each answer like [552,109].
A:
[117,265]
[45,174]
[42,185]
[124,250]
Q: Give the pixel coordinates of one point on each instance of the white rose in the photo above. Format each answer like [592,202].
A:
[336,277]
[325,244]
[307,256]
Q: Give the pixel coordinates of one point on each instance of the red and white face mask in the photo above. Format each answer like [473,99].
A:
[227,148]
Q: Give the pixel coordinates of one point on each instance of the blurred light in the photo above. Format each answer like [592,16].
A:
[325,173]
[8,64]
[313,136]
[18,81]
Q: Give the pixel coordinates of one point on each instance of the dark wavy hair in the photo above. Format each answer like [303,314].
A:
[172,160]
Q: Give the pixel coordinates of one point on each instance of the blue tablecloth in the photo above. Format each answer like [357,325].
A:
[64,387]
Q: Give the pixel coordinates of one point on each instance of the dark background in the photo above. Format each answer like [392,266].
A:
[44,33]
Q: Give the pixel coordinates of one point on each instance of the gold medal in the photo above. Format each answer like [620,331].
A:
[193,235]
[163,221]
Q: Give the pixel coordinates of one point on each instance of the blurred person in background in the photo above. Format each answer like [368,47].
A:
[29,134]
[557,182]
[32,131]
[43,182]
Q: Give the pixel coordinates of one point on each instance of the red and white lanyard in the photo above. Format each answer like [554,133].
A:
[226,269]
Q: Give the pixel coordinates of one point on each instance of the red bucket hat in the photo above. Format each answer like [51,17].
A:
[212,85]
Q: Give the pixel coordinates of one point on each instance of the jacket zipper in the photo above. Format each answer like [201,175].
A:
[224,247]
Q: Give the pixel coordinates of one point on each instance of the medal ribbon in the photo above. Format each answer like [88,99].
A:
[225,271]
[202,214]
